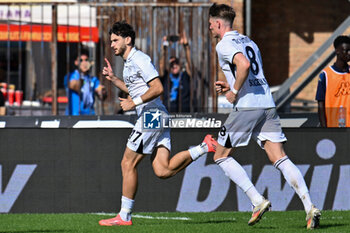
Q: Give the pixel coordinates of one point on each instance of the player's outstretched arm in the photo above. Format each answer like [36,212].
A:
[108,73]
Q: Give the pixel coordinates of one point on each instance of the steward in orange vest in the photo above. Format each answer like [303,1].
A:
[333,90]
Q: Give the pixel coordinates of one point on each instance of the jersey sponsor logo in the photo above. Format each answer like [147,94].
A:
[132,78]
[257,82]
[241,40]
[344,89]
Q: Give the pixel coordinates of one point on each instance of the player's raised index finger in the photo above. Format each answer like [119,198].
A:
[108,64]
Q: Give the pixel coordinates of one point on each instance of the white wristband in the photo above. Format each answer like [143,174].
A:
[234,91]
[138,101]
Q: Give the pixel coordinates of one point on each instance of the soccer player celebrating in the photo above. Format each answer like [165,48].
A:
[254,114]
[144,87]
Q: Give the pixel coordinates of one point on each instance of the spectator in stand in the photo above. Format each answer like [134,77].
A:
[81,88]
[175,78]
[333,88]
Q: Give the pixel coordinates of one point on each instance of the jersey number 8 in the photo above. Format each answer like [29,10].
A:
[254,66]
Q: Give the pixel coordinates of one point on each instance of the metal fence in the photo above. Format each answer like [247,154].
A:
[40,41]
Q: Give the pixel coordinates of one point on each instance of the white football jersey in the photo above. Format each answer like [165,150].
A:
[255,92]
[138,71]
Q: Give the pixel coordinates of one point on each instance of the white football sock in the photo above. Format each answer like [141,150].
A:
[238,175]
[306,202]
[254,196]
[198,151]
[126,209]
[295,179]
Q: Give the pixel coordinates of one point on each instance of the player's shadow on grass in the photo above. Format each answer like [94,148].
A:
[325,226]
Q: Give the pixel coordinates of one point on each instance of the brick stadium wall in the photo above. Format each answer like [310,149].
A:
[288,32]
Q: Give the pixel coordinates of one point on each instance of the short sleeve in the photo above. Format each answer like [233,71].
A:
[149,71]
[321,87]
[227,51]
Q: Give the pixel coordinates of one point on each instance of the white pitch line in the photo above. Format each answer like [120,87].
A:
[149,217]
[163,218]
[107,214]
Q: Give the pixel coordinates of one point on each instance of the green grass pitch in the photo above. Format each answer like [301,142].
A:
[288,221]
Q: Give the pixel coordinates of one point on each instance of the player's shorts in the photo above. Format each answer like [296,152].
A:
[144,140]
[241,125]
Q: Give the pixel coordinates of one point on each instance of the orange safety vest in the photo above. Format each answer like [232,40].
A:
[337,94]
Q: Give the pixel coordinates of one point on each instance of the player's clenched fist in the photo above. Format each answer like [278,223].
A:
[221,87]
[127,104]
[224,88]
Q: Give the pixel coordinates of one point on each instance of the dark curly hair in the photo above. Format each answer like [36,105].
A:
[123,29]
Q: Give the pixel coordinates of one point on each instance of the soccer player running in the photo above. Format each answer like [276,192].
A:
[254,114]
[144,87]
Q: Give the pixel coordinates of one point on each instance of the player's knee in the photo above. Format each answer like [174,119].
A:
[162,173]
[274,151]
[127,165]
